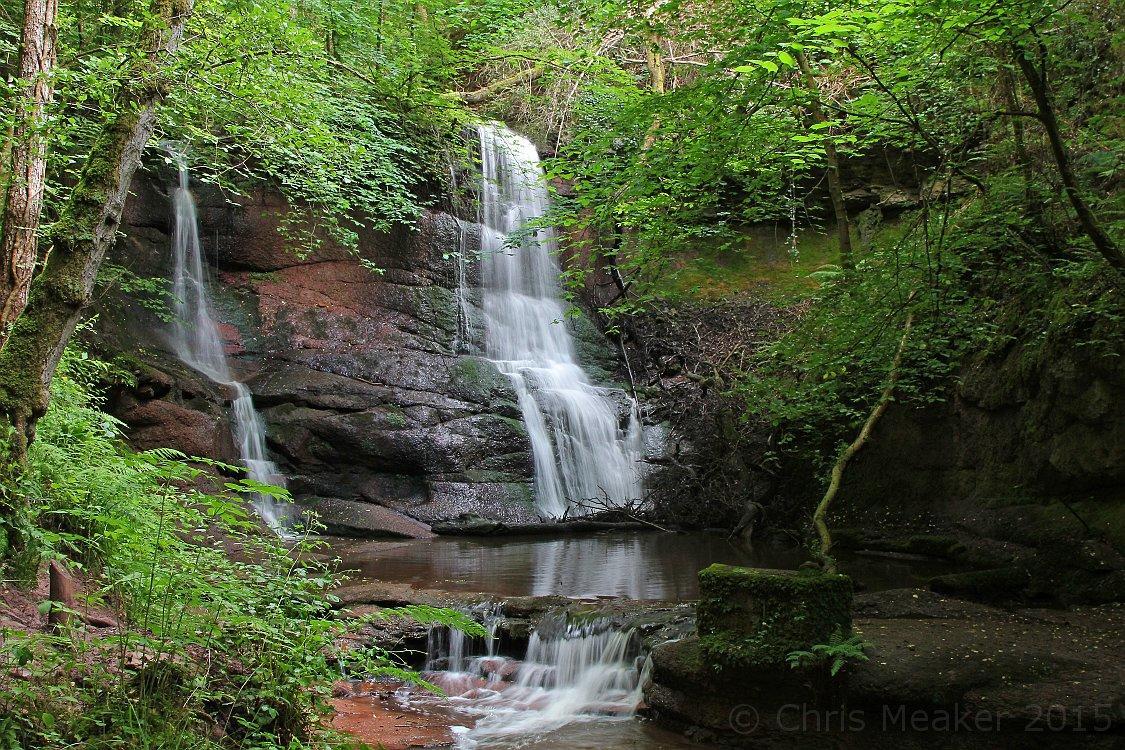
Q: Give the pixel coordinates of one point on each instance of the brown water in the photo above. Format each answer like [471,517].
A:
[633,564]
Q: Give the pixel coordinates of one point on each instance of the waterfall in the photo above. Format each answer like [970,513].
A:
[449,650]
[572,671]
[464,321]
[581,452]
[196,340]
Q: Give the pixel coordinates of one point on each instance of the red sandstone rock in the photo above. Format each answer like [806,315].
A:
[374,717]
[159,423]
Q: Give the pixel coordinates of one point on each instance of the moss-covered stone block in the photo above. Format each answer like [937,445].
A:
[751,618]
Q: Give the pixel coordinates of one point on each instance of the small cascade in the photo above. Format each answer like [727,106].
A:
[572,672]
[197,343]
[581,452]
[463,294]
[449,650]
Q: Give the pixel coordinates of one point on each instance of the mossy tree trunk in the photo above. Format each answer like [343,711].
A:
[483,94]
[23,199]
[1036,78]
[86,228]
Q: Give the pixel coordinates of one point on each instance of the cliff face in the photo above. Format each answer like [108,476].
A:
[1030,449]
[353,360]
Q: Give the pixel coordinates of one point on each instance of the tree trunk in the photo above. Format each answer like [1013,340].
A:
[1037,81]
[835,186]
[24,198]
[856,445]
[86,228]
[654,60]
[1008,92]
[656,76]
[61,592]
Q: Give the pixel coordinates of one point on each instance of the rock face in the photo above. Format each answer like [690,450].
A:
[356,361]
[1025,465]
[1020,425]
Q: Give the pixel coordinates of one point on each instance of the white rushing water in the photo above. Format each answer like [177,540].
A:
[572,672]
[197,342]
[581,452]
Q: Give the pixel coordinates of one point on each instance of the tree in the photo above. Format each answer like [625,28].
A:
[835,184]
[24,196]
[86,227]
[1036,77]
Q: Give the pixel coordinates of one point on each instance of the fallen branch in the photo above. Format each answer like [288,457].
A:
[527,75]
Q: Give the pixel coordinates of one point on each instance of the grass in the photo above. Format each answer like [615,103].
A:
[761,261]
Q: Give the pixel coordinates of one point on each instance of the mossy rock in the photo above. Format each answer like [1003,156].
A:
[476,379]
[753,618]
[594,350]
[934,545]
[850,539]
[994,584]
[929,545]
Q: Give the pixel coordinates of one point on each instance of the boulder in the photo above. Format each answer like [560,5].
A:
[350,518]
[166,424]
[940,672]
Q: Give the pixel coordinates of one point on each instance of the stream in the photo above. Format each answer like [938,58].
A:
[629,564]
[577,682]
[566,681]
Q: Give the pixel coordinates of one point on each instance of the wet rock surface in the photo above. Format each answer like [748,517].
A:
[356,360]
[369,713]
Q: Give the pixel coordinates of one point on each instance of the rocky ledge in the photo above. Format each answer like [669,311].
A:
[940,672]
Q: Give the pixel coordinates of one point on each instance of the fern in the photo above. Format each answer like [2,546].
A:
[840,650]
[249,643]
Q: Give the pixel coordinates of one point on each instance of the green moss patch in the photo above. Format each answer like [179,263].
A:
[751,618]
[930,545]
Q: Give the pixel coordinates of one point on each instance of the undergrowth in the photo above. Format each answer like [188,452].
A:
[227,635]
[975,288]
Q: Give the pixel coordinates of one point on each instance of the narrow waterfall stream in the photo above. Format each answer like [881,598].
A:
[198,344]
[582,454]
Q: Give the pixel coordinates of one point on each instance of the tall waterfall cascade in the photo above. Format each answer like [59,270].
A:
[582,453]
[197,343]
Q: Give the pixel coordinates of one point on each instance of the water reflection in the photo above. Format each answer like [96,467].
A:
[638,565]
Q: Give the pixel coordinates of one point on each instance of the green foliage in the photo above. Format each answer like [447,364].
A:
[216,651]
[151,293]
[840,651]
[817,383]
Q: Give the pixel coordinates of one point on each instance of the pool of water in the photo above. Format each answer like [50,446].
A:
[632,564]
